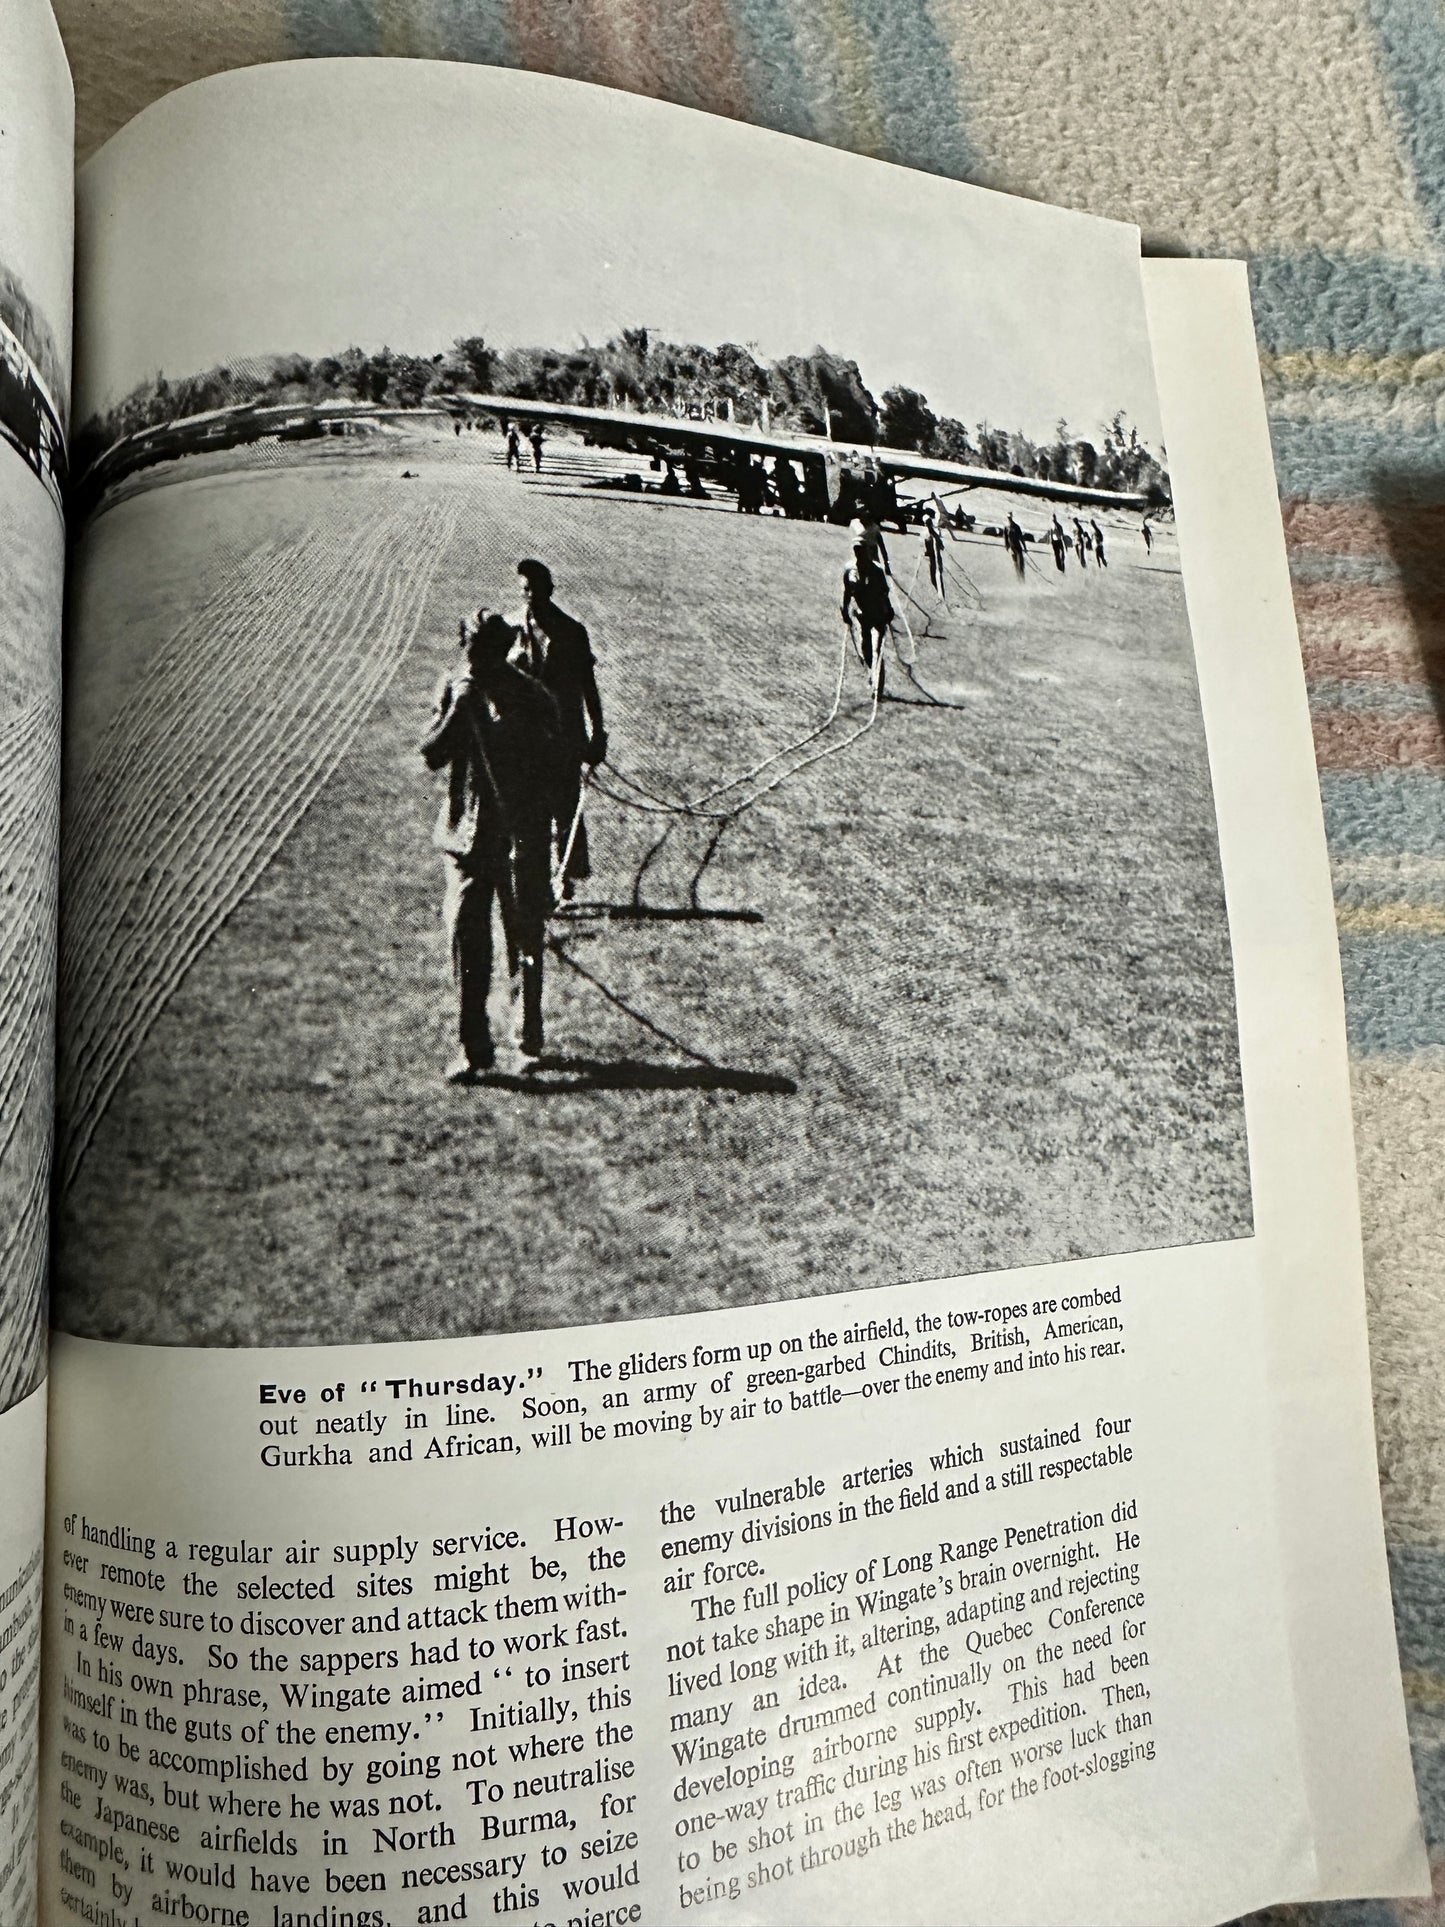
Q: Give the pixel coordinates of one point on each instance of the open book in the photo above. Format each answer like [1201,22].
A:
[699,1189]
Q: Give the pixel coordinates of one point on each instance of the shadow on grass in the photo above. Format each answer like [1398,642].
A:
[553,1075]
[559,1076]
[560,488]
[653,913]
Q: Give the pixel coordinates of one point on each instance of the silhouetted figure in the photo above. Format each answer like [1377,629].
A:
[554,648]
[933,551]
[497,734]
[866,597]
[882,500]
[1013,541]
[752,486]
[785,487]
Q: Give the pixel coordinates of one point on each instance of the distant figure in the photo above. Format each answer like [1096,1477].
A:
[1100,559]
[536,438]
[1148,535]
[1081,543]
[514,447]
[1059,543]
[785,488]
[865,593]
[849,505]
[1013,541]
[497,735]
[457,428]
[884,502]
[933,551]
[554,648]
[752,487]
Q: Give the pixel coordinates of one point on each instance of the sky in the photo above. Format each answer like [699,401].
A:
[305,207]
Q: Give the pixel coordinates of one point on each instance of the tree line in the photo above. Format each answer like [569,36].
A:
[814,394]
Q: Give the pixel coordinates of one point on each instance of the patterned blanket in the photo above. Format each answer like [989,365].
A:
[1309,140]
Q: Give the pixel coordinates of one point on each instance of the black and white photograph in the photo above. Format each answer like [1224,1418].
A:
[35,263]
[632,749]
[31,576]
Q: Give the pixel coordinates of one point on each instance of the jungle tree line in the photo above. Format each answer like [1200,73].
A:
[814,394]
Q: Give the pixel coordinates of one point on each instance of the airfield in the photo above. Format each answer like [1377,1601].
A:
[952,992]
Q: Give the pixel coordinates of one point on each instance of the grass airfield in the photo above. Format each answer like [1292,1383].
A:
[970,1004]
[32,569]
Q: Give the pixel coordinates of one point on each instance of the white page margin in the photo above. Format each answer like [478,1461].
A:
[1351,1717]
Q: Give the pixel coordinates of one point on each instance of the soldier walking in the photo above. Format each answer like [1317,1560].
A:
[1013,541]
[865,590]
[933,550]
[497,735]
[554,649]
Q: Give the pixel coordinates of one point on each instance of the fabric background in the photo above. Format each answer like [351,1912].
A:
[1308,138]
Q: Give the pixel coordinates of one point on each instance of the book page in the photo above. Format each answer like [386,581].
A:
[1329,1525]
[36,225]
[638,751]
[36,230]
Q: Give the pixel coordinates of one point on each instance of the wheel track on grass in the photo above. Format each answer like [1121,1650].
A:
[269,814]
[29,770]
[207,768]
[27,892]
[205,871]
[24,1256]
[28,802]
[27,984]
[29,780]
[17,752]
[91,803]
[145,787]
[202,865]
[166,697]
